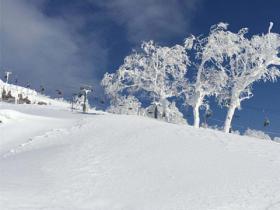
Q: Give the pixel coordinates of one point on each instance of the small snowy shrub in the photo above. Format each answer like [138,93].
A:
[167,112]
[276,139]
[173,115]
[236,132]
[125,105]
[256,134]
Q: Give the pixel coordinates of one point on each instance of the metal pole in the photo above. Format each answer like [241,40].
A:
[85,100]
[85,90]
[7,76]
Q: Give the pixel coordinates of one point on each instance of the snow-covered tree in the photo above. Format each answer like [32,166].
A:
[173,115]
[256,134]
[210,76]
[154,71]
[248,60]
[112,84]
[166,111]
[125,105]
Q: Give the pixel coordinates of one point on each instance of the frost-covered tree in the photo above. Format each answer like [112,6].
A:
[125,105]
[248,60]
[210,77]
[166,111]
[153,71]
[173,115]
[112,84]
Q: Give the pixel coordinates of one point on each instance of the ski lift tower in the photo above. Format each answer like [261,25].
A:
[85,90]
[7,74]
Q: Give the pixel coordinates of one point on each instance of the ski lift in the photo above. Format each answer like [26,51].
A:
[7,75]
[208,113]
[85,90]
[266,122]
[42,89]
[59,92]
[101,100]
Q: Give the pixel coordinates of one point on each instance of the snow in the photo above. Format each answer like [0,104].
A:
[33,96]
[55,159]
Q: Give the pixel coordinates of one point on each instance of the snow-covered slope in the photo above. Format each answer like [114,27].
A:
[19,94]
[53,159]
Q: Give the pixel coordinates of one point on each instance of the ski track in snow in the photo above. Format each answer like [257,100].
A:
[113,162]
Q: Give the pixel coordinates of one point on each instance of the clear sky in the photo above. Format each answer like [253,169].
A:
[62,44]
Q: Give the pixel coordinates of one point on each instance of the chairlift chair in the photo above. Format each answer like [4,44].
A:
[208,113]
[59,92]
[42,89]
[266,122]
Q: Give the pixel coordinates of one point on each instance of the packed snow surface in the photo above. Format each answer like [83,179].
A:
[55,159]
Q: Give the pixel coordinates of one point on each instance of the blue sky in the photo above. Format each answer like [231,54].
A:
[66,43]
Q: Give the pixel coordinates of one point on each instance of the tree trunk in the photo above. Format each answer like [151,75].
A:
[164,104]
[230,113]
[156,112]
[196,112]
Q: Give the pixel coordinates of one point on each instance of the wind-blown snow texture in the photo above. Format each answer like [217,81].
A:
[53,159]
